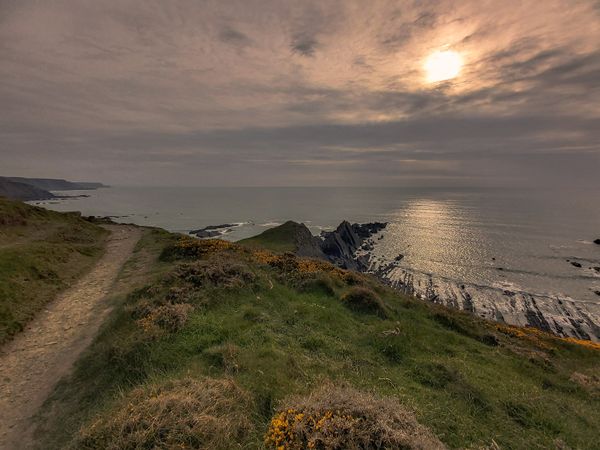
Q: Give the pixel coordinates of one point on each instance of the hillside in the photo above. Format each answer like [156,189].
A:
[52,184]
[20,191]
[221,345]
[41,253]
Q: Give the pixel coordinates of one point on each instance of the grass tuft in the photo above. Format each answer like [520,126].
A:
[339,418]
[364,300]
[185,413]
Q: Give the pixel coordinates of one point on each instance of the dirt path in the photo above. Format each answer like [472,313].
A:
[33,362]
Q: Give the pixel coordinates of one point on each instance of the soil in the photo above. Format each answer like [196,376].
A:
[37,358]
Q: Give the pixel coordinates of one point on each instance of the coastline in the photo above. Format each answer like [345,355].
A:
[501,298]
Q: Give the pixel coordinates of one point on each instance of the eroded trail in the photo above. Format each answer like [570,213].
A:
[32,364]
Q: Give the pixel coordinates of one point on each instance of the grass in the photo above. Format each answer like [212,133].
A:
[41,253]
[277,327]
[279,239]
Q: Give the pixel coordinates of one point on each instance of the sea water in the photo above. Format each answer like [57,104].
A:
[506,238]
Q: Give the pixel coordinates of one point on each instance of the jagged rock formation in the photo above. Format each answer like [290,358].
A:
[341,246]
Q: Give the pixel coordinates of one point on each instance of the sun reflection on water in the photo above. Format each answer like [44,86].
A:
[434,237]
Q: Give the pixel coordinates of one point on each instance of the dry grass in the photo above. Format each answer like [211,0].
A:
[182,414]
[336,418]
[217,271]
[168,318]
[362,299]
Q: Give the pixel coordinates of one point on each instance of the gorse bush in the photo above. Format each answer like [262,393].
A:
[193,248]
[169,318]
[217,272]
[334,418]
[186,413]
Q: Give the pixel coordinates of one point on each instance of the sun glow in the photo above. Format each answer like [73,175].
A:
[443,65]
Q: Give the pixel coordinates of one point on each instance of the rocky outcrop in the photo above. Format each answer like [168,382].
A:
[552,313]
[213,230]
[341,245]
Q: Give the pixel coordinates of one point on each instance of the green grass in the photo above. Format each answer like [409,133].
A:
[41,253]
[279,239]
[276,334]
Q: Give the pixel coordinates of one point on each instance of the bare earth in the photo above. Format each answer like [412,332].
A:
[36,359]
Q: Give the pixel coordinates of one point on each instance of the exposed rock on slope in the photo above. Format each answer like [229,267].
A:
[340,246]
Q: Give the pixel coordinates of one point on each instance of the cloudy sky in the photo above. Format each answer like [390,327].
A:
[191,92]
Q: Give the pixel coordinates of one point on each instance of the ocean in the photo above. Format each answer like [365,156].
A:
[514,240]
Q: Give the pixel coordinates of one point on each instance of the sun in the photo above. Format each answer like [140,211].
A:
[442,65]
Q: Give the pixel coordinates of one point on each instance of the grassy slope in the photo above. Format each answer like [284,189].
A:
[278,239]
[41,253]
[278,336]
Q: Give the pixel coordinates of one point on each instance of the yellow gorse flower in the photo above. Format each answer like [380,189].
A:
[282,432]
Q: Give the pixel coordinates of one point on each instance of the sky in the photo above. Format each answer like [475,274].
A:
[300,93]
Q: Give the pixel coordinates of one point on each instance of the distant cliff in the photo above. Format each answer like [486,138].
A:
[51,184]
[27,189]
[21,191]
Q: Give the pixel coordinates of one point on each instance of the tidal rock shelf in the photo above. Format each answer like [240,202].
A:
[561,316]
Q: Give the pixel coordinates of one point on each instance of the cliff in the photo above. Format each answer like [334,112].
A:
[21,191]
[52,184]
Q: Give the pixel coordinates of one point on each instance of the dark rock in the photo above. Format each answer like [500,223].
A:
[205,233]
[399,257]
[575,264]
[340,245]
[307,245]
[219,227]
[597,293]
[212,230]
[597,241]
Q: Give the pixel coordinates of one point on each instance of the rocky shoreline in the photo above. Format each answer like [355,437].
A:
[562,316]
[359,247]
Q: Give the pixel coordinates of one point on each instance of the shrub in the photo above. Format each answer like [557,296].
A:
[192,248]
[217,272]
[336,418]
[184,413]
[362,299]
[170,318]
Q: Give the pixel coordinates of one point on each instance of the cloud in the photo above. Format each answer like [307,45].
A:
[234,37]
[259,90]
[304,45]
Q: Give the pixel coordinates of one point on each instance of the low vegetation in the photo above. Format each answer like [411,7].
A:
[278,239]
[179,413]
[41,253]
[340,418]
[255,349]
